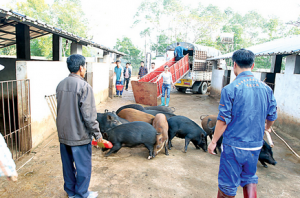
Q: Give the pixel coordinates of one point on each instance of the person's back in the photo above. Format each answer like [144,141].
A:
[69,94]
[249,110]
[76,126]
[178,52]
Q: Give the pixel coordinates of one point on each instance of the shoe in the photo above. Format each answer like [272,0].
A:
[162,101]
[120,96]
[223,195]
[92,194]
[116,95]
[250,191]
[167,102]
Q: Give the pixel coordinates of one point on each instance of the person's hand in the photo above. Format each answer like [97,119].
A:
[267,129]
[100,140]
[112,77]
[211,148]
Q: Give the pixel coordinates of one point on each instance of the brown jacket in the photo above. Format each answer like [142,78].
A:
[76,112]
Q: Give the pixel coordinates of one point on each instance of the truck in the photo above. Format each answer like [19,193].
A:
[191,72]
[199,75]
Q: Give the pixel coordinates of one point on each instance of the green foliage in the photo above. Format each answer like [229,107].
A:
[65,14]
[171,21]
[134,55]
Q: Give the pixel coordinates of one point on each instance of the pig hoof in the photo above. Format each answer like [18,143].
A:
[167,153]
[266,166]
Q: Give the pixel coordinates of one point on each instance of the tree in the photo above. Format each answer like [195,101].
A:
[65,14]
[133,54]
[160,46]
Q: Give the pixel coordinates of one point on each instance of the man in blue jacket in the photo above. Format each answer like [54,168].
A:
[247,109]
[178,52]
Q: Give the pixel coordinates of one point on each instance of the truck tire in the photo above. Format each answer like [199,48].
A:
[203,88]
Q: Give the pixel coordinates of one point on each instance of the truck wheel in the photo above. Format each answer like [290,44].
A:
[203,88]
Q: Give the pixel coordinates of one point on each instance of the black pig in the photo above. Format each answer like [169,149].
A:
[183,127]
[130,135]
[266,155]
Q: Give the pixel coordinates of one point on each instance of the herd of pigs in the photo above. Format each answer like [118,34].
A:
[155,127]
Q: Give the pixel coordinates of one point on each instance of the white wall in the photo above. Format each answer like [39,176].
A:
[44,77]
[287,95]
[216,82]
[100,81]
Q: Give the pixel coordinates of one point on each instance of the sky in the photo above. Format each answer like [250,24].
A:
[112,19]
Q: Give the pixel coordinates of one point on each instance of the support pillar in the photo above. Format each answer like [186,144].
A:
[56,47]
[292,65]
[76,48]
[23,41]
[106,57]
[276,64]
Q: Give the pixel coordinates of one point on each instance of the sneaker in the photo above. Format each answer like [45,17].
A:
[92,194]
[120,96]
[116,95]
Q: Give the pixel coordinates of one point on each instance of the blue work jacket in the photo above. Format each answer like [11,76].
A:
[245,105]
[178,52]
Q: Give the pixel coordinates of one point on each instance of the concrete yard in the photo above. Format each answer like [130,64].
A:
[129,174]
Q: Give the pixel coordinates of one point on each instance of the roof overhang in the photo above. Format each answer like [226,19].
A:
[284,46]
[9,19]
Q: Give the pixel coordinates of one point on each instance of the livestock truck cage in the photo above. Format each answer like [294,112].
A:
[191,72]
[200,70]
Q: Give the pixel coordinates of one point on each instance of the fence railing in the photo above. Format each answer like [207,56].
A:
[15,116]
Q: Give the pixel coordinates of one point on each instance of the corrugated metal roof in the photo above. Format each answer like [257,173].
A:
[211,52]
[8,20]
[288,45]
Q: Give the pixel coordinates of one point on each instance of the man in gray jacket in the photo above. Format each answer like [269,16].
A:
[76,126]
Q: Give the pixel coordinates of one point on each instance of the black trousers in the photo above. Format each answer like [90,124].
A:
[126,82]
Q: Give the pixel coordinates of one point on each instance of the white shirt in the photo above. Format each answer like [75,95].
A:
[167,77]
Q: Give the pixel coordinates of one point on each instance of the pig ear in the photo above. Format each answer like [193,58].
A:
[114,112]
[106,110]
[158,133]
[105,136]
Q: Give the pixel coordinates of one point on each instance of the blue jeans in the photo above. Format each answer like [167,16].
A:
[119,83]
[126,82]
[164,88]
[77,168]
[237,168]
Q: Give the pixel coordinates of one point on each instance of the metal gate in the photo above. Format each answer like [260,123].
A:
[15,116]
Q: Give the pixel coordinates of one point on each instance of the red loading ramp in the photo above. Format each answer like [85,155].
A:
[147,90]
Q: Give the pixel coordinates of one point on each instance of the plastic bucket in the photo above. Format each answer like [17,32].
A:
[119,87]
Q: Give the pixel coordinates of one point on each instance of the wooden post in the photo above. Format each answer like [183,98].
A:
[23,41]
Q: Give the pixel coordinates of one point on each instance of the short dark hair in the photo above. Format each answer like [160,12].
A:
[166,66]
[127,63]
[74,62]
[118,61]
[178,43]
[142,61]
[153,63]
[243,58]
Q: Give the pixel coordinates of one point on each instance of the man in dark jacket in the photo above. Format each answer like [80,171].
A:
[143,71]
[127,75]
[76,126]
